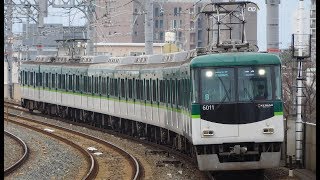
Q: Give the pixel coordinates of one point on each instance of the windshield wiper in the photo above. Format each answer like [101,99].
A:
[246,91]
[225,89]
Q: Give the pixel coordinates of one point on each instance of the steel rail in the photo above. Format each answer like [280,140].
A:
[24,157]
[136,166]
[93,170]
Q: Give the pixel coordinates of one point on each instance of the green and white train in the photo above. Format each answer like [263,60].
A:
[223,109]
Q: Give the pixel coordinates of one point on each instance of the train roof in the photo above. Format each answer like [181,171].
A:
[235,59]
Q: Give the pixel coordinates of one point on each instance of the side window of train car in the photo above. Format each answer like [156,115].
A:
[122,88]
[103,86]
[53,81]
[138,89]
[63,82]
[31,78]
[47,80]
[89,85]
[85,84]
[70,83]
[77,87]
[40,79]
[116,87]
[162,91]
[154,90]
[59,82]
[25,77]
[130,88]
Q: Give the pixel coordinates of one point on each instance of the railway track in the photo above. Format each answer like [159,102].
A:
[92,167]
[23,158]
[136,171]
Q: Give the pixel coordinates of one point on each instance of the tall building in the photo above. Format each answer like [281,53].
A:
[313,30]
[123,22]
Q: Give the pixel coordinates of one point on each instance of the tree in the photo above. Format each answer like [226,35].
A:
[289,83]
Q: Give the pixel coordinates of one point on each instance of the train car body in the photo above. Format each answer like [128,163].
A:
[204,106]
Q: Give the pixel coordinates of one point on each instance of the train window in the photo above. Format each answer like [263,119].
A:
[130,88]
[108,86]
[138,89]
[77,83]
[254,83]
[154,90]
[31,78]
[63,82]
[277,88]
[85,84]
[168,84]
[116,89]
[217,85]
[59,81]
[180,94]
[89,85]
[161,91]
[195,86]
[147,86]
[53,81]
[122,87]
[112,87]
[103,86]
[40,79]
[174,90]
[70,83]
[25,78]
[96,87]
[47,80]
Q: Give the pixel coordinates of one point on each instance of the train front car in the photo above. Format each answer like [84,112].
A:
[237,117]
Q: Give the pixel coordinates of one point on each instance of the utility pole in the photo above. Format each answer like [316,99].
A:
[9,41]
[42,12]
[90,28]
[148,27]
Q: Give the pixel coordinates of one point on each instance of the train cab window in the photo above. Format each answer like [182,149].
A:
[217,85]
[254,83]
[195,86]
[277,88]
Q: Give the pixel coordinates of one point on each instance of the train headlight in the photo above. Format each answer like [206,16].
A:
[262,72]
[209,73]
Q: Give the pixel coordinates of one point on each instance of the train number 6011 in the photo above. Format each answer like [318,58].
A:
[207,107]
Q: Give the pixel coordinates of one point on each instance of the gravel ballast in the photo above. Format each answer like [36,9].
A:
[48,158]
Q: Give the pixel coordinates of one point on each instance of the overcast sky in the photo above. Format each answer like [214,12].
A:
[286,10]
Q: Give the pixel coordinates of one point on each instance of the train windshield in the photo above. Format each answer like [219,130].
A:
[254,83]
[217,85]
